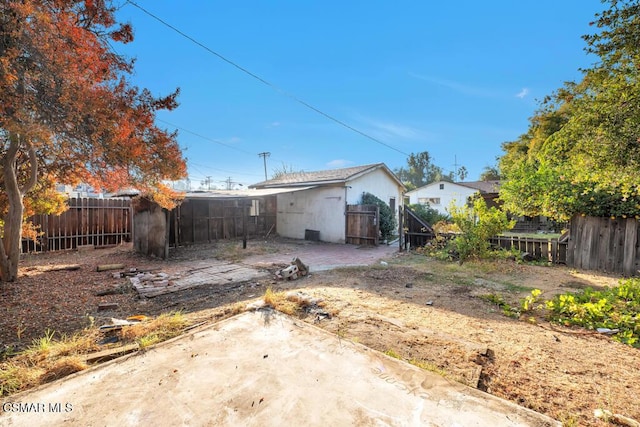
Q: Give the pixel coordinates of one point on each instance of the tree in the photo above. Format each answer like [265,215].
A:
[581,154]
[462,173]
[490,173]
[421,171]
[284,169]
[69,114]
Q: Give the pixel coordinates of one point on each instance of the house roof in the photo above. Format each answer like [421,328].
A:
[484,187]
[241,194]
[324,177]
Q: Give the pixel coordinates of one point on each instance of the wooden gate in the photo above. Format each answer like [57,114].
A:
[363,224]
[416,231]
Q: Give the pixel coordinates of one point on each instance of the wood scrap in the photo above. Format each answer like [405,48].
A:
[107,267]
[110,354]
[72,267]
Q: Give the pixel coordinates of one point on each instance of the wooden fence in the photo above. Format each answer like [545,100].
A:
[87,222]
[204,220]
[550,250]
[604,244]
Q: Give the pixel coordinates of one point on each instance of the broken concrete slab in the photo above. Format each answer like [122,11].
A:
[212,272]
[265,369]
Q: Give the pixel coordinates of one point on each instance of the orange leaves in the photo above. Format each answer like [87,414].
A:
[124,34]
[66,92]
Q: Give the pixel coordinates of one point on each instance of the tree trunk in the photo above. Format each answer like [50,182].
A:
[12,234]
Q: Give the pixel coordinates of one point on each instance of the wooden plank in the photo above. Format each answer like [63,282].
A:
[629,265]
[573,233]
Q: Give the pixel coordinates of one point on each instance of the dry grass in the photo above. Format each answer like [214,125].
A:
[49,359]
[63,367]
[292,303]
[162,328]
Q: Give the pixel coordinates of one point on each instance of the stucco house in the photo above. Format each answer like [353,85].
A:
[318,200]
[439,195]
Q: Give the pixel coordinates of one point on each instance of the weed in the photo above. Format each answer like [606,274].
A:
[616,308]
[43,344]
[48,359]
[428,366]
[161,328]
[16,377]
[498,300]
[529,302]
[270,297]
[342,331]
[392,353]
[148,340]
[20,330]
[422,364]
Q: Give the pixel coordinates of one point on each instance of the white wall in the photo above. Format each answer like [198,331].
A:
[319,209]
[378,183]
[449,192]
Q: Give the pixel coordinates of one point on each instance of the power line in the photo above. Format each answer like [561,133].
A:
[266,82]
[204,137]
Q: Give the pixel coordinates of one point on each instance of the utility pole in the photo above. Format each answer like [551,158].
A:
[264,156]
[229,183]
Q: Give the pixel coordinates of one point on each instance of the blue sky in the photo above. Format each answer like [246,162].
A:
[455,79]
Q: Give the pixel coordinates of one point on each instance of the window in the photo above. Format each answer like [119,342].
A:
[442,186]
[429,200]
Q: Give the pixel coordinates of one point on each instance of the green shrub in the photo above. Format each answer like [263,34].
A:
[428,214]
[611,308]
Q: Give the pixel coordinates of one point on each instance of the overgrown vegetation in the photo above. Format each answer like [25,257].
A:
[477,223]
[428,214]
[48,359]
[616,309]
[387,218]
[613,311]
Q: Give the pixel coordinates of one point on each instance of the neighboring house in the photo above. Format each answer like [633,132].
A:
[318,200]
[439,195]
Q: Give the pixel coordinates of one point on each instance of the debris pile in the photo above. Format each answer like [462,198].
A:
[311,305]
[295,270]
[149,284]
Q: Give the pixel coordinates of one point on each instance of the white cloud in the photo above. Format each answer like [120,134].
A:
[456,86]
[396,129]
[524,92]
[385,129]
[273,125]
[339,163]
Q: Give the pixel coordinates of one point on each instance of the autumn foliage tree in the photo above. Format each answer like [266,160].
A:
[69,114]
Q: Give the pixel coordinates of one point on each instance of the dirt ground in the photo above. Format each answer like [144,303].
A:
[424,311]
